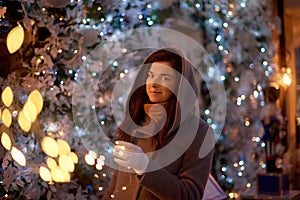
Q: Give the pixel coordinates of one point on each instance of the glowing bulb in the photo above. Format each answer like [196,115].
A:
[287,79]
[6,118]
[57,174]
[45,174]
[6,141]
[74,157]
[7,96]
[93,154]
[18,156]
[49,146]
[15,39]
[23,122]
[63,147]
[29,111]
[99,166]
[66,163]
[36,98]
[89,159]
[51,163]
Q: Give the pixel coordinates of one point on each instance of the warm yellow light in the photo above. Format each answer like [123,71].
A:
[36,98]
[6,117]
[15,39]
[66,176]
[58,175]
[29,111]
[49,146]
[51,163]
[287,79]
[18,156]
[6,141]
[74,157]
[66,163]
[23,122]
[99,166]
[45,174]
[89,159]
[63,147]
[93,154]
[7,96]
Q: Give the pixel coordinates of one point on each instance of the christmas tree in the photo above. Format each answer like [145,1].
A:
[72,46]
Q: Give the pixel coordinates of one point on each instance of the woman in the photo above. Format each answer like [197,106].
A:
[160,147]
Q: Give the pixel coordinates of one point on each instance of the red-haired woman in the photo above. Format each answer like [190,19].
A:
[163,149]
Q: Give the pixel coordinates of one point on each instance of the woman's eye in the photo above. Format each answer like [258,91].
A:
[165,78]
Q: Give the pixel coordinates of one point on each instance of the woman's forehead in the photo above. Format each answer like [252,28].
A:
[162,68]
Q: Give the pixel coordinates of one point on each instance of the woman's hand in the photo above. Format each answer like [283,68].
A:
[130,156]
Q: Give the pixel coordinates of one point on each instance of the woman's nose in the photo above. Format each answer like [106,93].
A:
[154,84]
[156,80]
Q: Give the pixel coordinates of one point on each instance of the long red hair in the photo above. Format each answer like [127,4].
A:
[137,98]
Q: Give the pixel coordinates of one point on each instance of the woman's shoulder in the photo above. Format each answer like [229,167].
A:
[195,120]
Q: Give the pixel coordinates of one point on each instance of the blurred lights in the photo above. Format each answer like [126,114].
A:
[45,174]
[287,76]
[18,156]
[6,117]
[6,141]
[7,96]
[27,115]
[233,195]
[49,146]
[59,170]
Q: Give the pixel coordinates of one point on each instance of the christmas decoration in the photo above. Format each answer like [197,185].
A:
[15,39]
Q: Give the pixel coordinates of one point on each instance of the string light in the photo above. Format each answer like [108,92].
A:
[7,96]
[15,39]
[18,156]
[6,141]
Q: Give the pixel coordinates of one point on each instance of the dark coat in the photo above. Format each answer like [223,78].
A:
[183,179]
[181,168]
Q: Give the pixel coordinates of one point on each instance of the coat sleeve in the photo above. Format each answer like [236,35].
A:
[188,183]
[111,187]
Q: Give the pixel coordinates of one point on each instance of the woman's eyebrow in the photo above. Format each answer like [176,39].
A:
[166,75]
[163,74]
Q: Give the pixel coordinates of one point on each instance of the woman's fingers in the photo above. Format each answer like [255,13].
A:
[128,146]
[123,163]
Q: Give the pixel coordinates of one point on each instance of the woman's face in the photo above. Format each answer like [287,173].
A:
[161,81]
